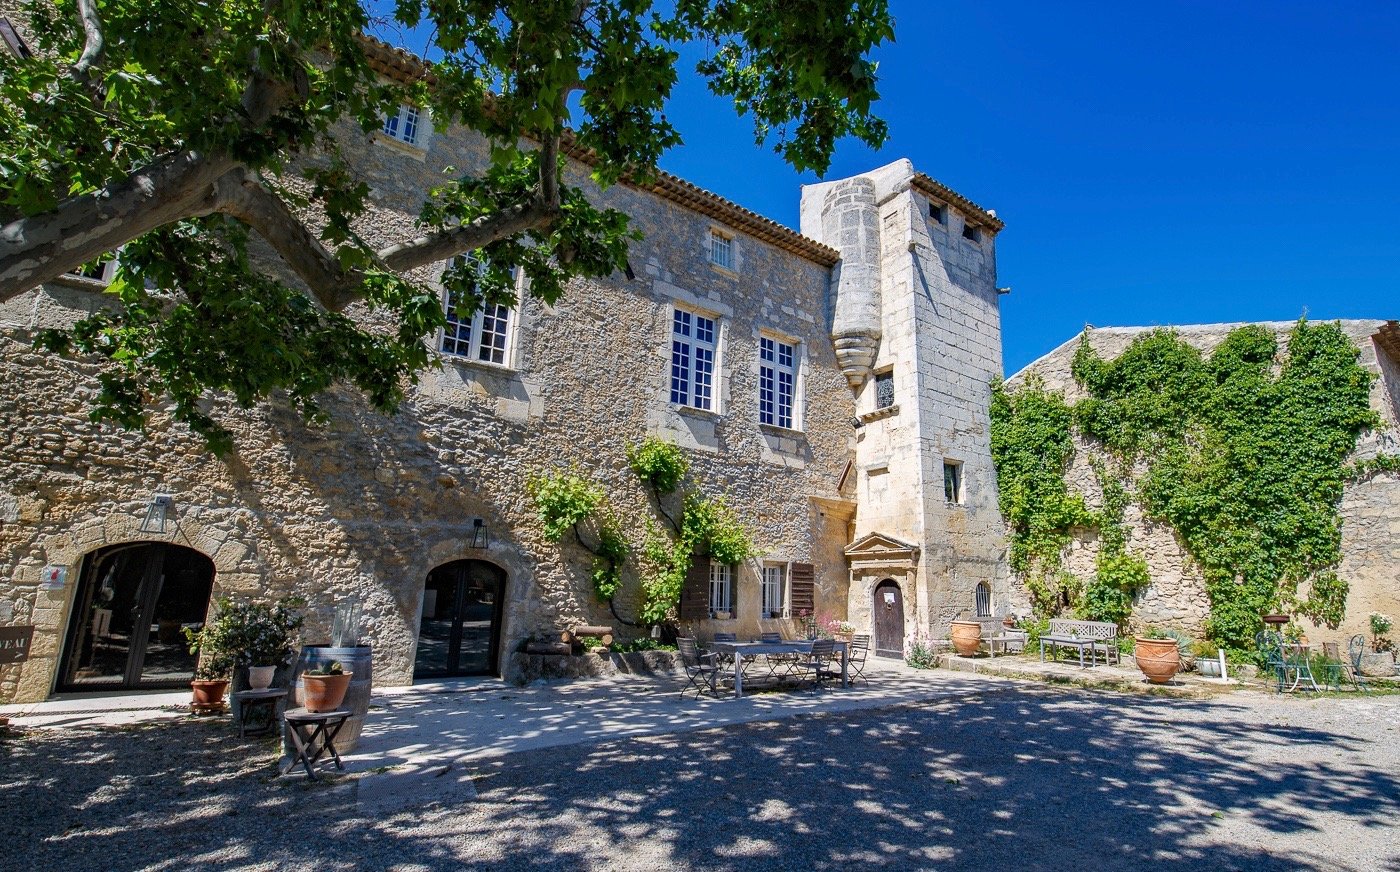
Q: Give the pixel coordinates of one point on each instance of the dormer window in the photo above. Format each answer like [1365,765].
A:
[406,125]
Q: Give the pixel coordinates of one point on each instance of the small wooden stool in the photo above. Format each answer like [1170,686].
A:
[313,734]
[264,701]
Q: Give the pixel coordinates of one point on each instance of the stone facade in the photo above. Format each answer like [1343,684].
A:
[918,304]
[364,507]
[1370,521]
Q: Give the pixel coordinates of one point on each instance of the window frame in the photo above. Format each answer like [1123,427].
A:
[770,372]
[719,240]
[884,377]
[399,122]
[958,482]
[476,327]
[722,581]
[783,588]
[689,389]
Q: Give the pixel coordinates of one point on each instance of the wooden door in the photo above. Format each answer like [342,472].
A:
[888,613]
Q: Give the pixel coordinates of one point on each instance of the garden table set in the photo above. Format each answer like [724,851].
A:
[809,662]
[740,651]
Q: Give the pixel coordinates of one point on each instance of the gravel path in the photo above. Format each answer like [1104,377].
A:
[1016,777]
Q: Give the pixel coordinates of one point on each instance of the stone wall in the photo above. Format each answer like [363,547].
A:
[1176,596]
[366,506]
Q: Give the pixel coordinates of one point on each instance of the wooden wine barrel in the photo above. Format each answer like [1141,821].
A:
[355,660]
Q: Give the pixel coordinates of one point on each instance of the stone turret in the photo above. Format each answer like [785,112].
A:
[844,215]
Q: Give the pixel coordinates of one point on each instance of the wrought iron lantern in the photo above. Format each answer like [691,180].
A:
[478,537]
[156,511]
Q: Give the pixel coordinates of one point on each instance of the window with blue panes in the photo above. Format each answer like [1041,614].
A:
[405,125]
[693,338]
[777,382]
[482,335]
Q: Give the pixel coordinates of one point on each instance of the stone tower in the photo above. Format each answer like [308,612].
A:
[917,331]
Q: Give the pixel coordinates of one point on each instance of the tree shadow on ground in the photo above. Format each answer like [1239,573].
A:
[1019,778]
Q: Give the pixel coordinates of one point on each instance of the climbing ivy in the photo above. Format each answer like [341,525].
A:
[1032,447]
[570,502]
[1118,575]
[1243,452]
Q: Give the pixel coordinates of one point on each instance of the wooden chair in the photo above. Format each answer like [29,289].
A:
[701,670]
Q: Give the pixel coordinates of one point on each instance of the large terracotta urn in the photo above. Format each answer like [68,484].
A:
[1159,659]
[966,636]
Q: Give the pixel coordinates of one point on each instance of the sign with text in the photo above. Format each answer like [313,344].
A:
[14,644]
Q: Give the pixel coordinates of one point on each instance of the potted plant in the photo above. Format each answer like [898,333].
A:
[1380,660]
[1207,655]
[966,637]
[216,662]
[1158,655]
[324,686]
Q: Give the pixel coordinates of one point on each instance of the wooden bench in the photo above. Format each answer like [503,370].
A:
[1094,635]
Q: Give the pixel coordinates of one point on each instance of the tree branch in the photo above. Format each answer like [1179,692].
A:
[243,196]
[444,244]
[38,248]
[93,43]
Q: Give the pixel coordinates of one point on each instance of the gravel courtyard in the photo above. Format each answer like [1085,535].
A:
[1015,777]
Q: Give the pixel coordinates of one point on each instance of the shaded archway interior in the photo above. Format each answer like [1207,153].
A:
[133,603]
[460,631]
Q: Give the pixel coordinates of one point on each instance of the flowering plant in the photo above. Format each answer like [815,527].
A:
[836,626]
[919,650]
[248,634]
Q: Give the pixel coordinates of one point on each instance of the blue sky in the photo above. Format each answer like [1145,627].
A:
[1163,163]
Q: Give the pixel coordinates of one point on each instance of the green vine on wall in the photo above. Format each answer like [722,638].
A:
[1245,456]
[569,502]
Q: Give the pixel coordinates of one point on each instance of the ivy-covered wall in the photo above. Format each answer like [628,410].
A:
[1195,478]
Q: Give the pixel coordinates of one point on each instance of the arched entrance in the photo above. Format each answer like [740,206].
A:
[132,603]
[887,614]
[460,631]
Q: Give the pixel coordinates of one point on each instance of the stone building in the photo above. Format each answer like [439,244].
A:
[1370,508]
[831,385]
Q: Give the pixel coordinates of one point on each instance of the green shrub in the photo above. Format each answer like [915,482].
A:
[661,465]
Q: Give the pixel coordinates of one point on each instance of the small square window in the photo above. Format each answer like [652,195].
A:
[972,232]
[953,482]
[937,213]
[721,250]
[884,390]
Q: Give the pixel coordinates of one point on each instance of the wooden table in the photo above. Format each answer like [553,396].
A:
[313,736]
[740,650]
[264,701]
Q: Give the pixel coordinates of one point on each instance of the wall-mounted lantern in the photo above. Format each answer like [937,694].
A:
[478,537]
[156,511]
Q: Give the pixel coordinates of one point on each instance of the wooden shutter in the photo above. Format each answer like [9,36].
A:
[803,592]
[695,591]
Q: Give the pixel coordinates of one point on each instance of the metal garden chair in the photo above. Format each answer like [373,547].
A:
[1355,648]
[781,665]
[856,652]
[816,669]
[702,670]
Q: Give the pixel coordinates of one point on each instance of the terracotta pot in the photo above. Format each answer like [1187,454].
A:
[966,637]
[260,677]
[1159,659]
[208,692]
[324,693]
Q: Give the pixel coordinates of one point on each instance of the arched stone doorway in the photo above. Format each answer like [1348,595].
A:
[132,603]
[460,630]
[887,613]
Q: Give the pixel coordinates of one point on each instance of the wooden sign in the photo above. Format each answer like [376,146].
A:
[14,644]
